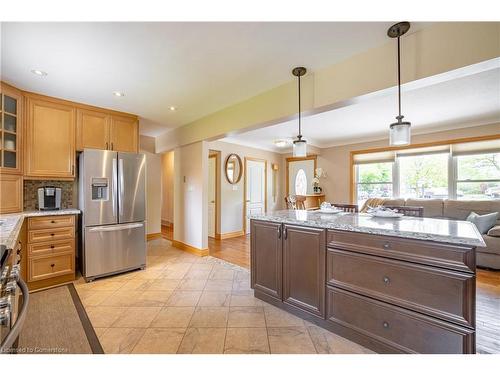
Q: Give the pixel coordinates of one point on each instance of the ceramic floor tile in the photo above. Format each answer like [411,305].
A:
[249,317]
[203,341]
[244,298]
[184,298]
[210,317]
[278,318]
[164,284]
[99,331]
[221,274]
[170,273]
[120,340]
[327,342]
[122,299]
[160,341]
[137,317]
[149,274]
[202,267]
[95,298]
[152,298]
[199,274]
[136,284]
[246,341]
[214,299]
[106,285]
[219,285]
[173,317]
[104,317]
[192,284]
[290,340]
[242,284]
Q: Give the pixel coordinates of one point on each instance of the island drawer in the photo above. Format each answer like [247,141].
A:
[402,329]
[43,235]
[46,267]
[434,291]
[455,257]
[53,247]
[48,222]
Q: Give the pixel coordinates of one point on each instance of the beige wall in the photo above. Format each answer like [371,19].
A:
[191,195]
[153,185]
[167,172]
[336,160]
[440,48]
[231,203]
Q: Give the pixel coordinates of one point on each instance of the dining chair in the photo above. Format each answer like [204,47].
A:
[408,210]
[295,202]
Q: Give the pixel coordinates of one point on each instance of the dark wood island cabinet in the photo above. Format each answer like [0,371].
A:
[385,292]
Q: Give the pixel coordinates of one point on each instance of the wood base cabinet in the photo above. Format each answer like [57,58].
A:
[389,294]
[304,254]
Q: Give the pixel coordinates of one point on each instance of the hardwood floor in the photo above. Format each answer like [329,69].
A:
[237,250]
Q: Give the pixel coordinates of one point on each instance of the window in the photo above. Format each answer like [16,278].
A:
[478,176]
[423,176]
[374,180]
[301,183]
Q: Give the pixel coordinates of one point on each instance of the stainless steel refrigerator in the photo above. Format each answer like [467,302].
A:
[112,198]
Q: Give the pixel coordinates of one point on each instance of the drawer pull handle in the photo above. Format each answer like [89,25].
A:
[52,246]
[387,245]
[386,280]
[53,221]
[385,325]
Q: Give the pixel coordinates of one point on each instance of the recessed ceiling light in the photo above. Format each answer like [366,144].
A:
[172,108]
[118,93]
[282,142]
[40,73]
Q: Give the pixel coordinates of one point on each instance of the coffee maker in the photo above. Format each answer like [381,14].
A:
[49,198]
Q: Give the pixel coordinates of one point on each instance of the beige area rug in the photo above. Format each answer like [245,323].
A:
[57,324]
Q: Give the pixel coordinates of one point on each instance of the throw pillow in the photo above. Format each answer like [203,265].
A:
[483,222]
[494,232]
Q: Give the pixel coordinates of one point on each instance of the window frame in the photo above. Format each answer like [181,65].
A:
[356,183]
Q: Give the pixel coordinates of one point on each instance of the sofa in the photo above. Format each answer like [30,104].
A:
[487,257]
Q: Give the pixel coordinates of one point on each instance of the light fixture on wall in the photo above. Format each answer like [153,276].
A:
[299,145]
[400,131]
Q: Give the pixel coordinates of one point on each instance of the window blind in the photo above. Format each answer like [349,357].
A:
[474,148]
[375,157]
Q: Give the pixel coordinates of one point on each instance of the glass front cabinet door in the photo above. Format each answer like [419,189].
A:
[10,129]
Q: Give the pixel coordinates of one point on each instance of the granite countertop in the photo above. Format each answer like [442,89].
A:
[455,232]
[11,223]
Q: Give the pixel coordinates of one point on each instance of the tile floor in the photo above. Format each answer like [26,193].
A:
[182,303]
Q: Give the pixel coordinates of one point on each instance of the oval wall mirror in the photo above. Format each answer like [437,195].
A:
[233,168]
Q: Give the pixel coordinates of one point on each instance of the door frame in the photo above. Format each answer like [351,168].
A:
[292,159]
[216,155]
[248,158]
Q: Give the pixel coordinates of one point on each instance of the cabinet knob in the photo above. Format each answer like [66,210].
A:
[387,245]
[53,221]
[52,234]
[385,325]
[52,265]
[386,280]
[51,246]
[106,145]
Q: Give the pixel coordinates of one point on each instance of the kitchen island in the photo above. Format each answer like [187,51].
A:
[402,285]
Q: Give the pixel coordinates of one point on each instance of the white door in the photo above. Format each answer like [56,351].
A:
[211,196]
[255,189]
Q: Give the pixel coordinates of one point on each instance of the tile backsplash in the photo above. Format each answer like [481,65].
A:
[31,193]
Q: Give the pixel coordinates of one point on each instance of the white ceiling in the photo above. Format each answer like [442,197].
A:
[198,67]
[459,102]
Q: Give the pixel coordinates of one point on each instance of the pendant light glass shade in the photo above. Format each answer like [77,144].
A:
[400,133]
[299,148]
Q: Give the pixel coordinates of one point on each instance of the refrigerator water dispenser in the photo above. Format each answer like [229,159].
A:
[100,189]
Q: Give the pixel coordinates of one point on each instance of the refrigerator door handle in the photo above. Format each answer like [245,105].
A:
[113,228]
[122,186]
[115,174]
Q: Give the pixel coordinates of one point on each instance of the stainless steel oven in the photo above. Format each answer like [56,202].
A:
[14,298]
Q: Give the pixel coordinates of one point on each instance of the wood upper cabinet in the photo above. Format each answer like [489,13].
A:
[124,134]
[266,258]
[11,129]
[50,139]
[304,260]
[11,193]
[92,130]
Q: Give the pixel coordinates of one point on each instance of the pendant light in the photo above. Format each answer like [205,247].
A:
[299,145]
[400,131]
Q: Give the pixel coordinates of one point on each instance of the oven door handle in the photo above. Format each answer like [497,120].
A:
[21,317]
